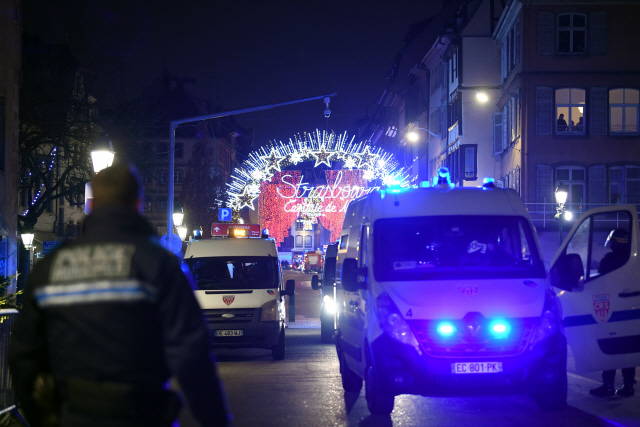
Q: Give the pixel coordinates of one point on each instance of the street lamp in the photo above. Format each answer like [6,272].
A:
[27,239]
[561,213]
[178,216]
[173,125]
[182,232]
[482,96]
[414,136]
[102,154]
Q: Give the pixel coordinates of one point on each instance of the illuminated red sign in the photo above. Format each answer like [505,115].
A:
[218,230]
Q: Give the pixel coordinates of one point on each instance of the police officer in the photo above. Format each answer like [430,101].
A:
[107,320]
[618,241]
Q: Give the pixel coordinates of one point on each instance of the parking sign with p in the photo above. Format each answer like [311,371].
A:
[224,214]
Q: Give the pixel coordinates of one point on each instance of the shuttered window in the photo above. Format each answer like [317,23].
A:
[546,33]
[544,185]
[598,29]
[623,111]
[598,110]
[597,186]
[624,185]
[544,110]
[497,134]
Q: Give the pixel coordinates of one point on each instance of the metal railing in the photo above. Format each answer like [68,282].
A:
[542,214]
[8,400]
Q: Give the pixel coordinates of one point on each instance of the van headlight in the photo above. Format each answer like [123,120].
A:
[392,322]
[550,322]
[329,304]
[269,311]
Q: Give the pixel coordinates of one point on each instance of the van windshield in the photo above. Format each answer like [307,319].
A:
[234,272]
[455,247]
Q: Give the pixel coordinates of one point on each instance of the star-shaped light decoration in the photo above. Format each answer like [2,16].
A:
[273,160]
[253,188]
[245,199]
[296,157]
[323,156]
[367,158]
[368,174]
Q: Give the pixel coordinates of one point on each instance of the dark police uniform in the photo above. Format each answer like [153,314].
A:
[110,318]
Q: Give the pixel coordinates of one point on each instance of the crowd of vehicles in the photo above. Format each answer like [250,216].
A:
[441,292]
[444,292]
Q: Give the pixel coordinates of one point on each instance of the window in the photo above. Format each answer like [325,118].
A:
[179,150]
[572,178]
[624,185]
[570,111]
[437,76]
[147,206]
[307,242]
[161,205]
[454,66]
[298,241]
[163,177]
[177,177]
[470,160]
[344,241]
[299,225]
[623,111]
[572,33]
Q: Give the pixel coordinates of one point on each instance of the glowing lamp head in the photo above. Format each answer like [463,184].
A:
[561,196]
[27,239]
[412,136]
[102,154]
[178,216]
[482,96]
[446,329]
[567,215]
[182,232]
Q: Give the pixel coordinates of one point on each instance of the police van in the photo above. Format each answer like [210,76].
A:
[240,289]
[326,284]
[442,292]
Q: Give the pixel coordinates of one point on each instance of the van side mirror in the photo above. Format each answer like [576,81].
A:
[290,287]
[328,277]
[567,272]
[315,283]
[352,277]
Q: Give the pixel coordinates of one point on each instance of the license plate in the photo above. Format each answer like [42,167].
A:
[228,333]
[476,368]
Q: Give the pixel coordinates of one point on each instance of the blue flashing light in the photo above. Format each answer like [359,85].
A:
[424,184]
[488,183]
[446,329]
[382,194]
[499,328]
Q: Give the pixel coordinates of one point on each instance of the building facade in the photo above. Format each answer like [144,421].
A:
[569,109]
[10,66]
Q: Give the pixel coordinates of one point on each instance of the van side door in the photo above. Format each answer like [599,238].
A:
[601,319]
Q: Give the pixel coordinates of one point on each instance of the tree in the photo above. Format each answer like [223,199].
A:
[203,189]
[56,129]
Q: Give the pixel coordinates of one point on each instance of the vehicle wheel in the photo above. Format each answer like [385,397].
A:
[326,329]
[277,351]
[378,402]
[553,397]
[350,380]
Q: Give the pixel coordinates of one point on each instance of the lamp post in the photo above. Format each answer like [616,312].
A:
[173,125]
[561,213]
[413,136]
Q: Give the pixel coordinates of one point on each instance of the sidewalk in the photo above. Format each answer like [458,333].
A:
[303,323]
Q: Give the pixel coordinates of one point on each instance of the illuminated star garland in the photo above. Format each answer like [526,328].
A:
[52,155]
[319,147]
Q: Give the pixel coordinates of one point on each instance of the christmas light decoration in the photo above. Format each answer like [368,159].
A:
[283,195]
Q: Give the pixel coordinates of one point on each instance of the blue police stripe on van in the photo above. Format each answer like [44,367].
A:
[94,292]
[587,319]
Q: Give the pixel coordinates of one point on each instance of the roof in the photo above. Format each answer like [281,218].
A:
[231,247]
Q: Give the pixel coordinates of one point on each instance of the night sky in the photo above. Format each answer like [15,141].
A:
[241,53]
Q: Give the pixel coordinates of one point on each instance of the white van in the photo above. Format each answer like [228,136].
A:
[444,292]
[240,291]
